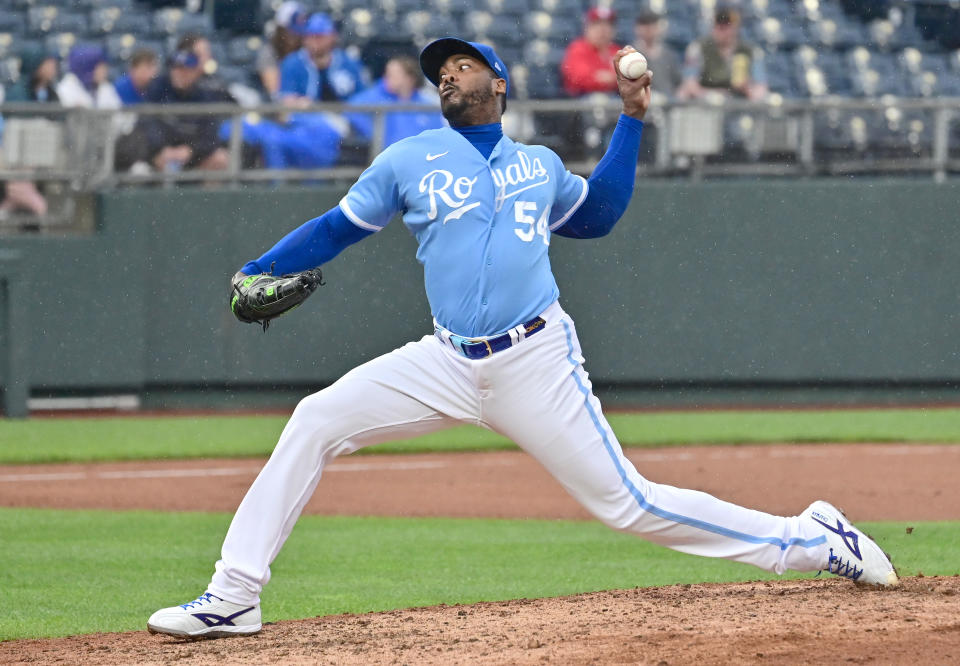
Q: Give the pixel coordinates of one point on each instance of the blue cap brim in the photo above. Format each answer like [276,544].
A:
[436,53]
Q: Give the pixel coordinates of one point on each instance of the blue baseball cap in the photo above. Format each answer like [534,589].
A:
[184,58]
[436,53]
[318,24]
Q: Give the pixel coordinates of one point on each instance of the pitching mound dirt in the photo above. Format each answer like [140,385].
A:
[809,621]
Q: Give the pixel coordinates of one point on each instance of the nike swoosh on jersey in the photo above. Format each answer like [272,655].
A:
[431,158]
[458,213]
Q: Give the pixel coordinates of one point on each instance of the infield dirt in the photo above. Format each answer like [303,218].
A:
[808,621]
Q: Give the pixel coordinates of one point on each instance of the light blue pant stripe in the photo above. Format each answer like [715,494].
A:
[657,511]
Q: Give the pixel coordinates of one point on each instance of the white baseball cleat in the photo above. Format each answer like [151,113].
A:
[853,554]
[208,616]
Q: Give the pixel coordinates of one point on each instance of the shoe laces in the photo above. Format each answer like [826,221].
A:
[841,567]
[204,598]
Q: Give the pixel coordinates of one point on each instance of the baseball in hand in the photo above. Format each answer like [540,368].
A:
[633,65]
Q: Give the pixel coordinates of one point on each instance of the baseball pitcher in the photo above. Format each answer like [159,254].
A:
[503,355]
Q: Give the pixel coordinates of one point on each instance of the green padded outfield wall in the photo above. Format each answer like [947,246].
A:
[721,282]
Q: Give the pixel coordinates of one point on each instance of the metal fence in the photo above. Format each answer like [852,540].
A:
[76,148]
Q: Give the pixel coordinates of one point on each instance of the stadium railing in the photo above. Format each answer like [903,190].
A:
[820,137]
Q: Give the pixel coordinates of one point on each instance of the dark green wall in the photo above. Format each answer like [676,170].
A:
[763,281]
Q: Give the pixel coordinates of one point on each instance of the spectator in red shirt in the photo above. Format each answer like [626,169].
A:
[587,65]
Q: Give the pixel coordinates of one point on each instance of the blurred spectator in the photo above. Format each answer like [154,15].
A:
[400,84]
[142,70]
[281,42]
[85,84]
[319,71]
[722,63]
[18,195]
[21,195]
[662,61]
[177,141]
[305,141]
[214,87]
[587,65]
[38,77]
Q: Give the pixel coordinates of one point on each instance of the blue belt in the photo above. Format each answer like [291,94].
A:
[474,348]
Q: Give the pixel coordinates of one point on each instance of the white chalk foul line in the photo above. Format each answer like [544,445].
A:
[210,471]
[773,451]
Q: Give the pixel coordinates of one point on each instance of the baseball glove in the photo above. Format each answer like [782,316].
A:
[262,298]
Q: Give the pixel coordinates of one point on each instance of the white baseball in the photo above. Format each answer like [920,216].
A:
[633,65]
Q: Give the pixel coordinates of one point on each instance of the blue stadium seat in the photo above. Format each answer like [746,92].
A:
[478,25]
[175,21]
[424,26]
[50,19]
[100,4]
[108,20]
[243,50]
[504,7]
[362,25]
[566,8]
[9,44]
[443,7]
[400,6]
[14,22]
[235,74]
[839,134]
[679,34]
[61,43]
[9,70]
[780,77]
[545,85]
[830,34]
[509,53]
[542,54]
[121,46]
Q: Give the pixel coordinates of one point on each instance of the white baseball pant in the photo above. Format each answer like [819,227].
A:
[535,393]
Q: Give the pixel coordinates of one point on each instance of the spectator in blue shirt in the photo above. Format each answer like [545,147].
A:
[142,70]
[319,71]
[400,84]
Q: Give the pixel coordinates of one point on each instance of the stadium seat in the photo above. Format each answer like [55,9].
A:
[546,85]
[8,44]
[362,25]
[882,35]
[832,35]
[814,82]
[504,29]
[103,4]
[12,22]
[477,25]
[769,34]
[424,25]
[121,46]
[50,19]
[60,43]
[679,34]
[444,7]
[107,20]
[243,50]
[838,134]
[538,24]
[235,74]
[565,8]
[542,54]
[175,21]
[505,7]
[780,74]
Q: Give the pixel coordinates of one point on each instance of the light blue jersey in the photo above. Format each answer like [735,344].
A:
[483,226]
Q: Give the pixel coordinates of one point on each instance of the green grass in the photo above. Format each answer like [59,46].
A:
[70,572]
[90,439]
